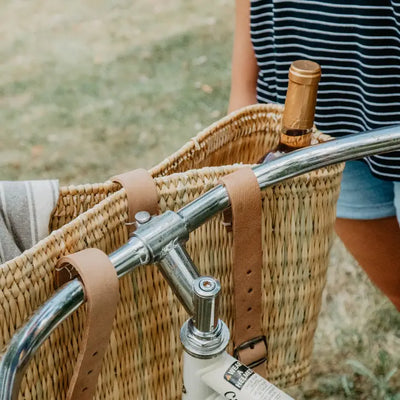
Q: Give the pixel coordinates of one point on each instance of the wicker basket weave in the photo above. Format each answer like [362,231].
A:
[143,360]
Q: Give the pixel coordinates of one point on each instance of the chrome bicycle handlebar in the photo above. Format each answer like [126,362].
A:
[148,244]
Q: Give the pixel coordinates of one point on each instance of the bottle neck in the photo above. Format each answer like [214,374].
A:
[292,139]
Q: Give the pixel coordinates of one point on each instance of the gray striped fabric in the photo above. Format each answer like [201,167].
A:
[25,209]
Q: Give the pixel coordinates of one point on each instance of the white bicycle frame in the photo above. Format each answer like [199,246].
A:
[224,377]
[209,372]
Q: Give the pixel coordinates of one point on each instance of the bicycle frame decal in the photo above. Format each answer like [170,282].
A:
[238,374]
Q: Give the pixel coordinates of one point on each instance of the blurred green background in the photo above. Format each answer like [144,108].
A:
[92,88]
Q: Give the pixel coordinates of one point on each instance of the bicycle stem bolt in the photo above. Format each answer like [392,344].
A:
[205,301]
[207,285]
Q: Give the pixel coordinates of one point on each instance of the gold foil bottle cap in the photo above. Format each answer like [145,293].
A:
[301,96]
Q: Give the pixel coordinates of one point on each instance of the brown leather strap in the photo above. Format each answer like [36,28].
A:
[245,198]
[101,287]
[141,192]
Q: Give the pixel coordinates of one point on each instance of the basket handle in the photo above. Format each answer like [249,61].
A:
[101,288]
[245,198]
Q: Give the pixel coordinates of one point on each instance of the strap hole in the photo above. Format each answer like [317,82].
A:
[249,309]
[248,326]
[249,272]
[84,389]
[90,371]
[250,290]
[94,354]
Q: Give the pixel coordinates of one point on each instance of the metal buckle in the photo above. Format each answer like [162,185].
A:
[250,344]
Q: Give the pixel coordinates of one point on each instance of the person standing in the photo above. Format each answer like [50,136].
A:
[357,44]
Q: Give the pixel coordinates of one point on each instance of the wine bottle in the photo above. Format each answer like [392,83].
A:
[298,115]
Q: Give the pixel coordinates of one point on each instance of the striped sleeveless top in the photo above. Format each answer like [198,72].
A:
[357,44]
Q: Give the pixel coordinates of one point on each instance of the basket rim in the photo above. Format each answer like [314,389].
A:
[196,143]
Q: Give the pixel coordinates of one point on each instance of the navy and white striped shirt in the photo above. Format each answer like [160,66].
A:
[357,44]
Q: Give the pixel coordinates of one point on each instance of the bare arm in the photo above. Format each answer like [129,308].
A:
[244,65]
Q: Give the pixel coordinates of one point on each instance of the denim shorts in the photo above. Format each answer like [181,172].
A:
[362,196]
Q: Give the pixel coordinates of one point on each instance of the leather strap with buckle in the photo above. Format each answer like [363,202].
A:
[245,198]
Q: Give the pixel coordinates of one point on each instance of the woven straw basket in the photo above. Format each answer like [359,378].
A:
[143,360]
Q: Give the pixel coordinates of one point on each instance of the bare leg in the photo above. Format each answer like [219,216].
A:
[375,244]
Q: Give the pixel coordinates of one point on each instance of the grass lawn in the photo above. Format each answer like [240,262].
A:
[93,88]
